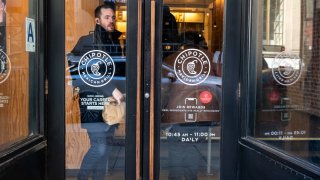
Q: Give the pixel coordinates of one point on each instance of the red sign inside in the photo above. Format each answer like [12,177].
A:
[274,96]
[205,97]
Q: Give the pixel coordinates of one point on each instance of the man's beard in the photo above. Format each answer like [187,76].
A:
[111,27]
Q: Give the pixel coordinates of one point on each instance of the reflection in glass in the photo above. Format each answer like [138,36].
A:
[95,89]
[191,90]
[286,100]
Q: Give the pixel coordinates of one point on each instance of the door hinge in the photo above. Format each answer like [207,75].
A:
[46,87]
[239,91]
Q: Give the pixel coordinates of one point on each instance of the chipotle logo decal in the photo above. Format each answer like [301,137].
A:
[96,68]
[192,66]
[5,66]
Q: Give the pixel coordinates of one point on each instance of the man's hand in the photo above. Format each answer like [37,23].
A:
[118,95]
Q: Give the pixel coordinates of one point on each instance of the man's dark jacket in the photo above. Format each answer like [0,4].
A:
[100,39]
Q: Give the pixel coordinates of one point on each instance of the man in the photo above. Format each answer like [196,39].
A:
[169,32]
[105,37]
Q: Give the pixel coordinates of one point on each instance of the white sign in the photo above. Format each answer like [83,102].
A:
[96,68]
[5,67]
[192,66]
[287,68]
[30,35]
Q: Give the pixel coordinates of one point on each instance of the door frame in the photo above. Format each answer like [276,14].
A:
[56,91]
[231,109]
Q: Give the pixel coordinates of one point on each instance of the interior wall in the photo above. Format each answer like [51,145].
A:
[79,21]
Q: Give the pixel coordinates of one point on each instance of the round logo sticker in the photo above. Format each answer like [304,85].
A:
[5,66]
[96,68]
[192,66]
[287,68]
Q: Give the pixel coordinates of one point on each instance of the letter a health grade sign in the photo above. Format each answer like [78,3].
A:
[30,35]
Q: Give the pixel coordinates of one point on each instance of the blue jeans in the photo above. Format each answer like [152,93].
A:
[95,161]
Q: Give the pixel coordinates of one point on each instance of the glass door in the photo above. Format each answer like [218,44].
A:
[283,119]
[96,95]
[189,124]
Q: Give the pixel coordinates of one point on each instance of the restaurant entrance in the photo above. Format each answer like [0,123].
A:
[177,90]
[156,90]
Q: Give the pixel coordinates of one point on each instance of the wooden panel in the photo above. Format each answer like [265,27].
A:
[152,85]
[14,114]
[79,19]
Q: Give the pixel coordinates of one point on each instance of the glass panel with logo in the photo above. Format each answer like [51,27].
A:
[18,71]
[191,89]
[95,43]
[287,63]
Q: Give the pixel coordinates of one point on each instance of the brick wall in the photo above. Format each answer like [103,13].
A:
[306,92]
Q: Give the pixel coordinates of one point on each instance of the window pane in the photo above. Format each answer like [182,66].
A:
[287,63]
[18,73]
[95,89]
[191,89]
